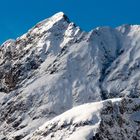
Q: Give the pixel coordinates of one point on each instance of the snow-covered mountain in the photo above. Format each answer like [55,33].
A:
[56,66]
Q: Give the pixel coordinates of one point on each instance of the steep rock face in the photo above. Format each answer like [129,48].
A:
[56,66]
[19,58]
[123,79]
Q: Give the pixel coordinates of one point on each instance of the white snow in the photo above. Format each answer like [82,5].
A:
[85,113]
[73,67]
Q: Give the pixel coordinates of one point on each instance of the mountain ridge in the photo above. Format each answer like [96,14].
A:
[56,66]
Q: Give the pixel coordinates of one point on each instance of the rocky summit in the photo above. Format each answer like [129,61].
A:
[58,82]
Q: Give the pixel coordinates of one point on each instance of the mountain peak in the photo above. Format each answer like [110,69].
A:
[58,16]
[48,23]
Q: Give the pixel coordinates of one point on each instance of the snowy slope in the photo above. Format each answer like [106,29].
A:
[69,121]
[105,120]
[124,74]
[56,66]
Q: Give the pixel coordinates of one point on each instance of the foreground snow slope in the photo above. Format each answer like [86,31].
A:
[79,117]
[116,119]
[56,66]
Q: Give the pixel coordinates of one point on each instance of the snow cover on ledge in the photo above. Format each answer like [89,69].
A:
[116,119]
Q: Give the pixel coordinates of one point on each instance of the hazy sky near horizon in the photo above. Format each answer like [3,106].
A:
[16,17]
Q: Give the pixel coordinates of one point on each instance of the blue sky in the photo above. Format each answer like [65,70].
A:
[17,16]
